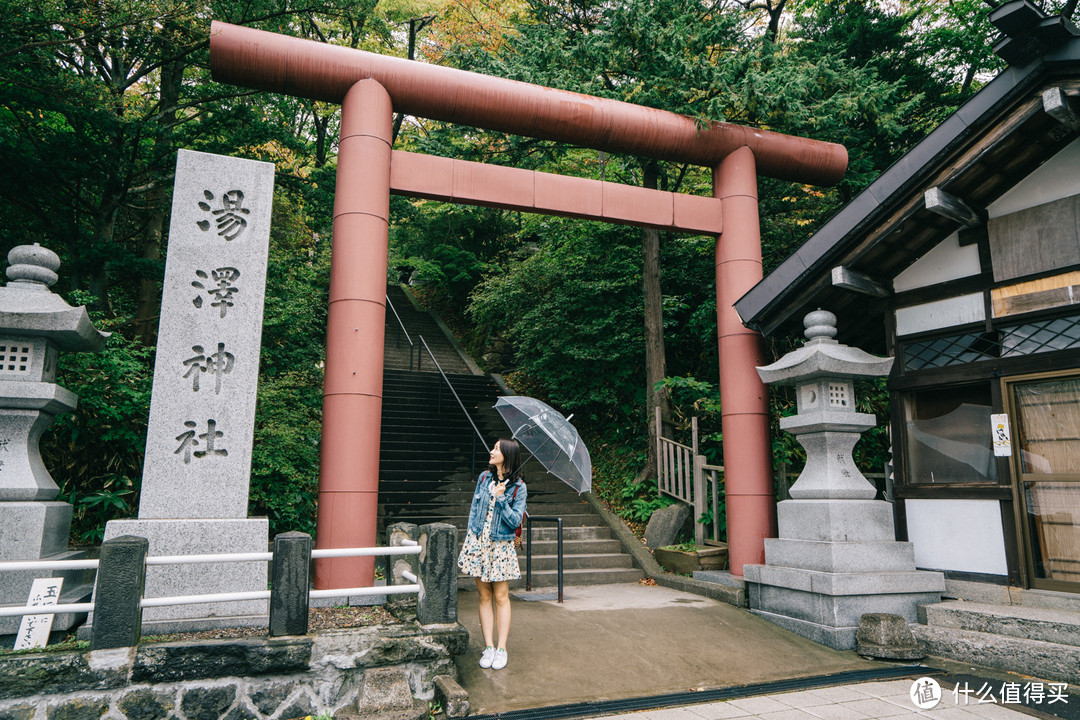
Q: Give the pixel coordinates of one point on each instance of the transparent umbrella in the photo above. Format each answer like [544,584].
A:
[550,437]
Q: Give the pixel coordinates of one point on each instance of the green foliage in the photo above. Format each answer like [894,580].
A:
[641,499]
[616,466]
[446,247]
[285,470]
[573,311]
[288,417]
[95,453]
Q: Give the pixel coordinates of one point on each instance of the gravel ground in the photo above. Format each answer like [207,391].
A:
[319,618]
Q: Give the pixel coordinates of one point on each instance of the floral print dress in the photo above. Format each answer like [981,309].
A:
[491,561]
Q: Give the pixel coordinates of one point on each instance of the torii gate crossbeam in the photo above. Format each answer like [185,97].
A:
[370,88]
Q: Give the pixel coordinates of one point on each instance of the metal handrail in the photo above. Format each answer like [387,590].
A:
[528,548]
[438,367]
[401,325]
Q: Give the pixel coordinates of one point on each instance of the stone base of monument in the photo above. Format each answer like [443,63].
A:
[827,607]
[39,531]
[199,537]
[835,561]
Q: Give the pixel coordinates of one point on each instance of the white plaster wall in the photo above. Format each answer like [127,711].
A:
[946,261]
[1057,178]
[961,535]
[958,310]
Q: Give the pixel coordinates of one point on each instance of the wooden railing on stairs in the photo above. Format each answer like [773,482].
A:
[684,475]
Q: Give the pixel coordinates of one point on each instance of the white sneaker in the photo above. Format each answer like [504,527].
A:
[487,658]
[500,660]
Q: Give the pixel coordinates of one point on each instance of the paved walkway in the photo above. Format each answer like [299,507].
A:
[890,699]
[617,642]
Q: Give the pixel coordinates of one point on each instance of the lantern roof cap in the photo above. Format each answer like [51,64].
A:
[29,308]
[822,356]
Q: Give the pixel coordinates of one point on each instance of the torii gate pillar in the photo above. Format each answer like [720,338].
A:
[744,408]
[352,389]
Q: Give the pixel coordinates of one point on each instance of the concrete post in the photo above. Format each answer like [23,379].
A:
[352,391]
[438,575]
[121,577]
[401,605]
[290,584]
[751,505]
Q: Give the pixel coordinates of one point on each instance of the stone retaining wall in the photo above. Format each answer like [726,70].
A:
[384,670]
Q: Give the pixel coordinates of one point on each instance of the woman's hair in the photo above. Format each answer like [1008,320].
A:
[511,452]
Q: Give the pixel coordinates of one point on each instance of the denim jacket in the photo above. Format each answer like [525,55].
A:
[509,508]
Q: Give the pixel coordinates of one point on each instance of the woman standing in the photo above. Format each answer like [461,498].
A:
[498,506]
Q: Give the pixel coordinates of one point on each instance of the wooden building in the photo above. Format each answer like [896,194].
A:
[963,261]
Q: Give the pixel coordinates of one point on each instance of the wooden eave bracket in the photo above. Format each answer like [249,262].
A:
[845,277]
[1059,106]
[952,207]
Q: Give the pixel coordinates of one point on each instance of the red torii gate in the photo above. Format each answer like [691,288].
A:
[370,88]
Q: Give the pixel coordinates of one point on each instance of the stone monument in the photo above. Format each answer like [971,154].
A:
[35,325]
[837,556]
[194,497]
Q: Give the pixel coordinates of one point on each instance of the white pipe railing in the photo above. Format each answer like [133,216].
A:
[407,547]
[197,599]
[215,558]
[365,552]
[48,565]
[46,609]
[352,592]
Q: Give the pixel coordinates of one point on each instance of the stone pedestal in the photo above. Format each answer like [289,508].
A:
[836,558]
[826,570]
[201,537]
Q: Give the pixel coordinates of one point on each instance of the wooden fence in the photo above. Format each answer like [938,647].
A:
[686,476]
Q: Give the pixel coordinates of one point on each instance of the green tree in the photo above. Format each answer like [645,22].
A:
[95,98]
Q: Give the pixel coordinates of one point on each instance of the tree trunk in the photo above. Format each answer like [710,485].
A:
[655,361]
[776,12]
[148,300]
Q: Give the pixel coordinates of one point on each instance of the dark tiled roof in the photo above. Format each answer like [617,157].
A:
[987,146]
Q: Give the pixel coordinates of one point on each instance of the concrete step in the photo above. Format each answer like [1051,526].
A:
[460,521]
[550,546]
[562,510]
[575,547]
[540,504]
[580,533]
[1032,623]
[549,578]
[582,561]
[1043,660]
[538,485]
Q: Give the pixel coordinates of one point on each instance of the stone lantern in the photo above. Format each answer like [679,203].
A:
[837,556]
[35,325]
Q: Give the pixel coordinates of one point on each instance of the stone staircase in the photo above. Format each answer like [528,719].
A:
[418,323]
[431,457]
[1032,632]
